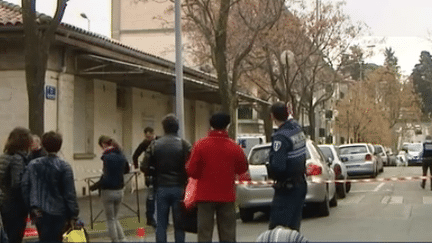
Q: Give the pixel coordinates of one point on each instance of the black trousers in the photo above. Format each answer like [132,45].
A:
[14,223]
[287,206]
[50,227]
[427,164]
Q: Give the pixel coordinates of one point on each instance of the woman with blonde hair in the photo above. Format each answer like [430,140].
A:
[111,184]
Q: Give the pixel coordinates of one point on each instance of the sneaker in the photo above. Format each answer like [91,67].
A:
[151,222]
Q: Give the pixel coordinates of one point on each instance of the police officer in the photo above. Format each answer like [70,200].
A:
[427,159]
[287,167]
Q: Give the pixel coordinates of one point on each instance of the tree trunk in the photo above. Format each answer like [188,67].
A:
[312,123]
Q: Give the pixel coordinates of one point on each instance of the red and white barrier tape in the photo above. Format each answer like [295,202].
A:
[317,180]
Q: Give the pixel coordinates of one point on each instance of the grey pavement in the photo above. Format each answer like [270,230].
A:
[134,205]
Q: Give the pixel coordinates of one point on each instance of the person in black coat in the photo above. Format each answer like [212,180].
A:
[111,185]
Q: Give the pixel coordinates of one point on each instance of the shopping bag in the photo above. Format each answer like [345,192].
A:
[190,194]
[76,235]
[187,219]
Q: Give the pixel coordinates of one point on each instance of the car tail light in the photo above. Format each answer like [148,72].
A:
[244,178]
[368,157]
[337,169]
[313,170]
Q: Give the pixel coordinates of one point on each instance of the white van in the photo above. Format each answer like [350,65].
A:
[247,141]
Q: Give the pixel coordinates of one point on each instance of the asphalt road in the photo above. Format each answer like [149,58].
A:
[372,211]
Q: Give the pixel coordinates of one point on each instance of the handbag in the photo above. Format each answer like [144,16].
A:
[76,235]
[187,219]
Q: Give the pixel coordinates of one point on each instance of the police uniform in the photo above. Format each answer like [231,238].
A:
[287,167]
[426,160]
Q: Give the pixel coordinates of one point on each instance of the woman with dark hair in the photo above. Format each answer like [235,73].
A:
[111,185]
[12,165]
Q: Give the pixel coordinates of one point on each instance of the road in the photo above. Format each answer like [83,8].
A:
[372,211]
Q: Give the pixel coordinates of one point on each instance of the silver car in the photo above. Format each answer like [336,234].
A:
[359,159]
[257,194]
[331,153]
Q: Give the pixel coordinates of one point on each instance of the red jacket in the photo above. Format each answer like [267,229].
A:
[215,161]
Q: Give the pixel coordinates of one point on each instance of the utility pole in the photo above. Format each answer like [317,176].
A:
[179,70]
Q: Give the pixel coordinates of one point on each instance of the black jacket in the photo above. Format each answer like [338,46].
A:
[114,166]
[168,154]
[141,149]
[11,170]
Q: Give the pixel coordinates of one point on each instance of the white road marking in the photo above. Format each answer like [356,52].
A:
[396,200]
[379,186]
[427,200]
[385,199]
[352,200]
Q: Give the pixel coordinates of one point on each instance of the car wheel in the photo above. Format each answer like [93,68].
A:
[348,186]
[341,190]
[324,207]
[333,201]
[246,214]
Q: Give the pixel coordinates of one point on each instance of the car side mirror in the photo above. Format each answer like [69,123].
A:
[329,160]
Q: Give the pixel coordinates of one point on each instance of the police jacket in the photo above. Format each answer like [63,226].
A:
[48,184]
[114,166]
[288,152]
[427,150]
[168,155]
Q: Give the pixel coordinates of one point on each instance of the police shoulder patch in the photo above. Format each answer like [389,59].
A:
[277,145]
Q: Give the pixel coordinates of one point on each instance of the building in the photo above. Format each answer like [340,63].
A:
[101,87]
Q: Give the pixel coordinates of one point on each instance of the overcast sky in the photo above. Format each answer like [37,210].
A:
[403,23]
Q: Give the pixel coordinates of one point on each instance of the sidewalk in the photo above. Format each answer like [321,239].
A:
[128,219]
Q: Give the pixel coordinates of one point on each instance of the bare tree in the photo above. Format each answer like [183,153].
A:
[39,33]
[303,55]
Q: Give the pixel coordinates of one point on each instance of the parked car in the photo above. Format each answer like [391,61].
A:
[332,156]
[360,159]
[413,155]
[252,198]
[379,151]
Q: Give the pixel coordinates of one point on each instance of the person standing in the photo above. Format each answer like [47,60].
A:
[48,189]
[149,178]
[215,162]
[168,155]
[287,166]
[427,159]
[111,185]
[12,165]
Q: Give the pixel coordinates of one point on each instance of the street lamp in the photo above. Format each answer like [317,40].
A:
[83,15]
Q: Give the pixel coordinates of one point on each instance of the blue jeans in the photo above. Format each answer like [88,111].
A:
[167,198]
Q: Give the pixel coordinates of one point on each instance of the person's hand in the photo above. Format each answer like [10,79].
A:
[36,212]
[72,223]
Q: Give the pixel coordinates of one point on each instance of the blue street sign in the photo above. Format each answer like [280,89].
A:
[50,92]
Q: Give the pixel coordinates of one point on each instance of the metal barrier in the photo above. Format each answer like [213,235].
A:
[91,180]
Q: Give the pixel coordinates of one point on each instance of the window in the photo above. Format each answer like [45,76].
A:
[245,112]
[260,156]
[353,150]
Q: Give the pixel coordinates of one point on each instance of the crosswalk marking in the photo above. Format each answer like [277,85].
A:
[396,200]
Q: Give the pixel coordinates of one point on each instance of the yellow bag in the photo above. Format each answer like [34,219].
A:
[76,235]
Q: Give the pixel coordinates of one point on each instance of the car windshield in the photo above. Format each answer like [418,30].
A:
[259,156]
[353,150]
[327,152]
[415,147]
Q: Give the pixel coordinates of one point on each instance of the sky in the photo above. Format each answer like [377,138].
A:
[402,24]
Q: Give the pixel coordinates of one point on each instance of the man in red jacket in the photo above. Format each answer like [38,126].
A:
[215,161]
